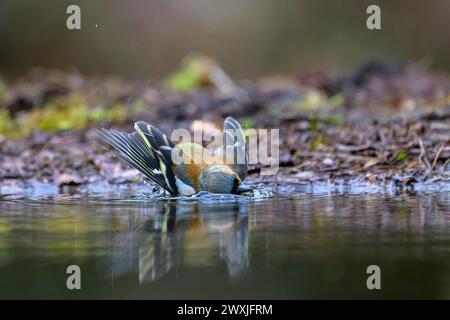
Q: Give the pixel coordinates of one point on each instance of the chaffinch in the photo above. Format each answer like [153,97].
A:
[150,151]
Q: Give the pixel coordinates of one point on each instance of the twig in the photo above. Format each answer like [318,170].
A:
[445,165]
[437,156]
[342,155]
[423,158]
[348,148]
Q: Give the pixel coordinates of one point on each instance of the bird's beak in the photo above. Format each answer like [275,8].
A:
[244,188]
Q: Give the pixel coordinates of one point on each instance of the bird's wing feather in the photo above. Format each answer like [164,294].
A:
[155,137]
[151,156]
[234,141]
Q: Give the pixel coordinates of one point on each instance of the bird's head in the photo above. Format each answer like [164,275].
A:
[220,179]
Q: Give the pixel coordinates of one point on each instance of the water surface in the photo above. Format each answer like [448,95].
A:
[297,244]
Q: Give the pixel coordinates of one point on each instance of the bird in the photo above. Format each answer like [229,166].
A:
[149,151]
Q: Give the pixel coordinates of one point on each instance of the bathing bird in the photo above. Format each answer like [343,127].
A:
[176,168]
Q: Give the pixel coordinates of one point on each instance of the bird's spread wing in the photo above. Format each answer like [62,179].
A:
[147,150]
[234,141]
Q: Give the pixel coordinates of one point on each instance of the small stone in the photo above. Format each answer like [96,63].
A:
[68,179]
[305,175]
[328,161]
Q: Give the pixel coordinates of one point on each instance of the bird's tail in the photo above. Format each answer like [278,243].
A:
[148,150]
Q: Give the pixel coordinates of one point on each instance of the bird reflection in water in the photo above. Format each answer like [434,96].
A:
[180,235]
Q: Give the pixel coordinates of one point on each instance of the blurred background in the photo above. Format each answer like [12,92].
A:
[252,38]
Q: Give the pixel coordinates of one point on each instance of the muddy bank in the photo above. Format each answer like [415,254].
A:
[385,123]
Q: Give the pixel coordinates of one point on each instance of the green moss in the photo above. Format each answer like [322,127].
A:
[247,123]
[65,113]
[138,106]
[73,114]
[248,127]
[313,123]
[333,120]
[193,74]
[401,156]
[320,141]
[337,100]
[116,113]
[314,100]
[6,123]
